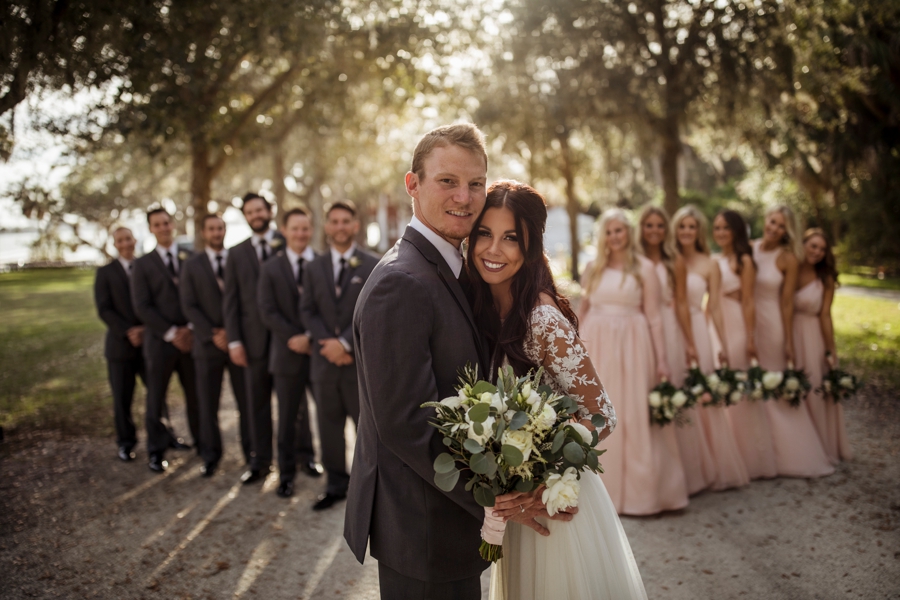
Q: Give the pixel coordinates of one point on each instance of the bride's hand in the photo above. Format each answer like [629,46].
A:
[514,503]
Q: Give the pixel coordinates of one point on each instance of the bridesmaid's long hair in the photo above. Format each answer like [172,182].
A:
[740,241]
[508,338]
[791,238]
[594,270]
[827,267]
[667,248]
[689,210]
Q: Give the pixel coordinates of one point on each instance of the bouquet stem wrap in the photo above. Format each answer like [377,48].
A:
[492,531]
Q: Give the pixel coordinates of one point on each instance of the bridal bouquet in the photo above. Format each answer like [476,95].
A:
[839,385]
[697,387]
[666,402]
[516,435]
[728,386]
[794,385]
[761,384]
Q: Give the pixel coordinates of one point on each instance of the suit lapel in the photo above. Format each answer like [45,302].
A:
[288,272]
[157,259]
[207,268]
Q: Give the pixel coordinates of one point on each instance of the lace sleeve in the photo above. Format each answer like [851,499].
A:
[554,344]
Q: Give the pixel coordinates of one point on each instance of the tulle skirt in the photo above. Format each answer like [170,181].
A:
[588,558]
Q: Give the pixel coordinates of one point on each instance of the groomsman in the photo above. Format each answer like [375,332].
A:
[167,340]
[124,335]
[202,282]
[280,294]
[331,285]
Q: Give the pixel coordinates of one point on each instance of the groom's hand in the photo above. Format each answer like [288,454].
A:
[522,508]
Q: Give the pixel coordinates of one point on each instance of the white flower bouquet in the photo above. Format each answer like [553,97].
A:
[697,387]
[839,385]
[666,402]
[513,436]
[794,386]
[761,384]
[727,386]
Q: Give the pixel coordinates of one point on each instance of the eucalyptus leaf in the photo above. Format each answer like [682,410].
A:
[595,437]
[518,420]
[574,453]
[448,441]
[479,413]
[545,390]
[512,455]
[592,461]
[484,496]
[558,440]
[492,464]
[473,446]
[444,463]
[598,421]
[481,464]
[501,427]
[525,486]
[482,387]
[471,484]
[447,481]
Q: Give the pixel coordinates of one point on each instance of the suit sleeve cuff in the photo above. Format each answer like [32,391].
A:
[345,344]
[170,334]
[235,344]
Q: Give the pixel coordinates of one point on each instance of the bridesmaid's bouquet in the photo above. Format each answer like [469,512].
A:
[728,386]
[666,402]
[516,435]
[761,384]
[839,385]
[697,387]
[794,385]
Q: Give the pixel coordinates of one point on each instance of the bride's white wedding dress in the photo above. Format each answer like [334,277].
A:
[589,557]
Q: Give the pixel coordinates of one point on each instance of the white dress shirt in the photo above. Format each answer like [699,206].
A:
[267,238]
[174,250]
[212,258]
[126,264]
[336,259]
[307,255]
[451,253]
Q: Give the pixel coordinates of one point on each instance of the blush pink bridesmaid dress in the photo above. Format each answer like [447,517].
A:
[696,455]
[730,471]
[809,346]
[748,418]
[798,450]
[623,336]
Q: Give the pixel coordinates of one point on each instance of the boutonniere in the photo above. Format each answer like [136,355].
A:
[182,256]
[276,243]
[353,262]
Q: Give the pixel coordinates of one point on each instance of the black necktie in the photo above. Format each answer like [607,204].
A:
[300,271]
[340,278]
[171,264]
[219,273]
[262,247]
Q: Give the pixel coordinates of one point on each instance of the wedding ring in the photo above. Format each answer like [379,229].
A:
[521,508]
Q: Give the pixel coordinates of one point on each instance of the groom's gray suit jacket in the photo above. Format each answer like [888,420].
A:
[412,329]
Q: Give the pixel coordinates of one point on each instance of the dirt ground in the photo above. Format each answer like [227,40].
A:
[78,523]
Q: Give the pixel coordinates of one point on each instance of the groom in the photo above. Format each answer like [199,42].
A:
[413,329]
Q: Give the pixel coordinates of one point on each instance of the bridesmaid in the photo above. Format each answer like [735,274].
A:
[748,418]
[798,450]
[622,331]
[656,243]
[689,227]
[814,339]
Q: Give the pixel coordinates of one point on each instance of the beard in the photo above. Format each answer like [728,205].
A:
[260,226]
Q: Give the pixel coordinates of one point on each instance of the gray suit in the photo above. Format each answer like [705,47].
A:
[112,295]
[154,294]
[413,329]
[201,302]
[328,315]
[243,324]
[279,308]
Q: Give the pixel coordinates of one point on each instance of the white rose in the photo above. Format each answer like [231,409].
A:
[452,402]
[713,380]
[519,439]
[487,432]
[668,413]
[846,382]
[772,379]
[735,397]
[526,390]
[583,431]
[792,384]
[485,398]
[655,399]
[756,394]
[723,389]
[498,403]
[740,375]
[827,385]
[679,398]
[547,418]
[533,399]
[697,389]
[562,491]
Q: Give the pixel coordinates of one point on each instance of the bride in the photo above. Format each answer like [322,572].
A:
[528,324]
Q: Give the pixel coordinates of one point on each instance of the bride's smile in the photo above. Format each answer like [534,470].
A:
[498,256]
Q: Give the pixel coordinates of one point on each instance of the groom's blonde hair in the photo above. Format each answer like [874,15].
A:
[464,135]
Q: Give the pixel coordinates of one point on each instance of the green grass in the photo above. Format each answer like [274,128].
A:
[867,332]
[860,280]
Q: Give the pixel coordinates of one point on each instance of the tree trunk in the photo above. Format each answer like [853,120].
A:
[201,186]
[573,207]
[671,149]
[278,175]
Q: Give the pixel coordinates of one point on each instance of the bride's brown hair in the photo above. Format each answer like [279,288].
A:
[508,338]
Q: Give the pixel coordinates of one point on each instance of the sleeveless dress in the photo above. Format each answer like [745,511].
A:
[798,451]
[589,557]
[730,471]
[748,418]
[623,336]
[827,416]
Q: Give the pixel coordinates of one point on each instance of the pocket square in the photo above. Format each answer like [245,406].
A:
[356,279]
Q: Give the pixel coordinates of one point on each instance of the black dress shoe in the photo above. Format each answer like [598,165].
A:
[253,475]
[178,444]
[125,454]
[208,469]
[328,500]
[285,489]
[311,468]
[157,464]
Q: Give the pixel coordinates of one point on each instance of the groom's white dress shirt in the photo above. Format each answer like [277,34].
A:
[451,253]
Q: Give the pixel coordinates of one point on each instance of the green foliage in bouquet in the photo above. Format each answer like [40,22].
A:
[761,384]
[666,404]
[794,386]
[727,386]
[839,385]
[696,387]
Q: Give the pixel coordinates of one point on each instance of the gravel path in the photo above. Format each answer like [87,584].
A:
[77,523]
